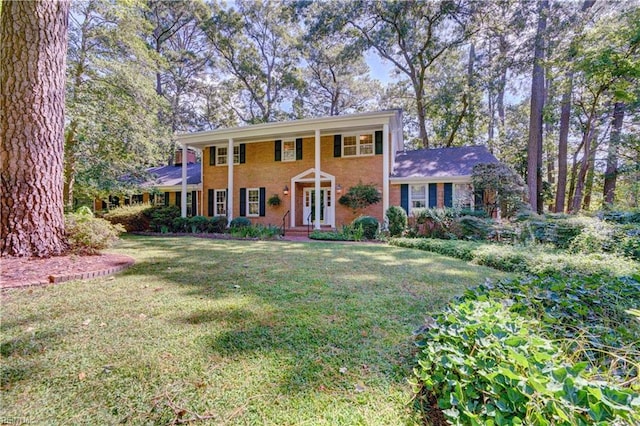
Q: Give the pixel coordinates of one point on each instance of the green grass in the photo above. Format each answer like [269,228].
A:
[236,332]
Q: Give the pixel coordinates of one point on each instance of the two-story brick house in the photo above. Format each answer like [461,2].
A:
[308,164]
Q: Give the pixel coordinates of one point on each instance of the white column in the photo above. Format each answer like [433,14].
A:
[230,181]
[292,209]
[183,194]
[317,180]
[385,170]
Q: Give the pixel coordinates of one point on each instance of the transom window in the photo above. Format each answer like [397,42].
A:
[221,155]
[358,144]
[253,202]
[289,151]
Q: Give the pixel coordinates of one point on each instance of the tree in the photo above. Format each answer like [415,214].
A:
[360,196]
[504,182]
[412,36]
[534,148]
[255,44]
[33,55]
[112,107]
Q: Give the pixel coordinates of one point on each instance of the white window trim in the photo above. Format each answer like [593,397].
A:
[426,196]
[216,203]
[357,136]
[254,202]
[236,156]
[282,157]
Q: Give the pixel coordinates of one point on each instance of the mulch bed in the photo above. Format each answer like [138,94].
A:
[23,272]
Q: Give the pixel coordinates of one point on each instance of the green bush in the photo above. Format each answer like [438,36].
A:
[134,218]
[258,231]
[88,235]
[622,217]
[239,222]
[484,364]
[397,218]
[199,224]
[180,225]
[471,228]
[542,260]
[218,224]
[162,218]
[370,226]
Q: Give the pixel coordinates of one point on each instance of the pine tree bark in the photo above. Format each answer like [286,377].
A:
[33,57]
[534,154]
[563,142]
[611,173]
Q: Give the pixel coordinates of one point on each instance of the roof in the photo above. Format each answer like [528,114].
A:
[172,175]
[298,128]
[440,162]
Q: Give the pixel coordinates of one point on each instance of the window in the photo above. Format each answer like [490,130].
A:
[463,196]
[157,199]
[221,155]
[136,199]
[221,203]
[189,204]
[359,144]
[418,197]
[289,151]
[253,202]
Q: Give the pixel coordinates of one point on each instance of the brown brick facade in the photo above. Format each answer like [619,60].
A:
[261,170]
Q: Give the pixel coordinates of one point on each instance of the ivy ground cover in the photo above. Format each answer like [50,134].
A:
[227,332]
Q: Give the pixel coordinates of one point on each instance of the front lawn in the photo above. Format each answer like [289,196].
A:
[231,332]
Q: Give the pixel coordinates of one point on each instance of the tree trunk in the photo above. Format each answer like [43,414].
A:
[471,84]
[534,166]
[565,116]
[502,84]
[584,167]
[588,185]
[422,125]
[611,173]
[33,56]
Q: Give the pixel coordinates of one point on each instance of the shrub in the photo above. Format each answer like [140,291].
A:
[370,226]
[162,217]
[218,224]
[471,228]
[88,235]
[397,218]
[239,222]
[596,237]
[360,196]
[198,224]
[622,217]
[180,225]
[484,364]
[434,223]
[134,218]
[509,258]
[258,231]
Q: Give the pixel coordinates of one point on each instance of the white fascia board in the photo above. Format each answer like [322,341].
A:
[436,179]
[299,128]
[174,188]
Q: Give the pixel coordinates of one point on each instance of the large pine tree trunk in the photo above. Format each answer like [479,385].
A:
[611,173]
[534,154]
[565,116]
[33,56]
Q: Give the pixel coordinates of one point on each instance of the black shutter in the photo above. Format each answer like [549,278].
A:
[210,202]
[378,139]
[194,203]
[404,197]
[263,194]
[448,195]
[179,199]
[433,195]
[337,145]
[278,150]
[226,202]
[243,201]
[166,198]
[243,153]
[299,149]
[212,155]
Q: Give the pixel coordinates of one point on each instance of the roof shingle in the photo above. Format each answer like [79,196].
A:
[440,162]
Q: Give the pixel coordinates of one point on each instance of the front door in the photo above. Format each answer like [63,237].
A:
[309,206]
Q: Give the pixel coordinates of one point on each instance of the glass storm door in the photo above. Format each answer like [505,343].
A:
[309,206]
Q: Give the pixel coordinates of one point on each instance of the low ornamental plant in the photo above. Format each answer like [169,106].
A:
[134,218]
[481,364]
[87,234]
[397,218]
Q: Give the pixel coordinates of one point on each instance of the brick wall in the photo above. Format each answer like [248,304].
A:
[261,170]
